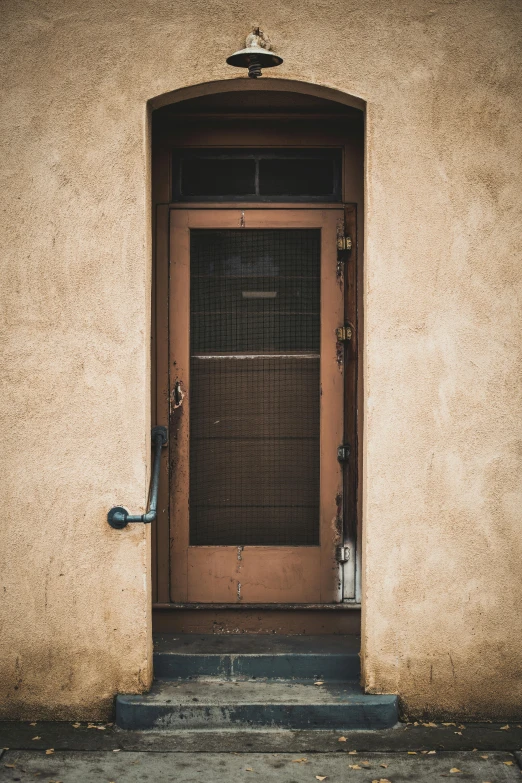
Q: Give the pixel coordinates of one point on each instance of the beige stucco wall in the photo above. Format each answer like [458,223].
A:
[442,581]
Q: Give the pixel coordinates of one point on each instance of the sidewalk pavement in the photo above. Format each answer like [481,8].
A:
[130,767]
[100,753]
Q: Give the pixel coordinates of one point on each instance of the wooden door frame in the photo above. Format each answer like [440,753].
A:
[346,268]
[243,131]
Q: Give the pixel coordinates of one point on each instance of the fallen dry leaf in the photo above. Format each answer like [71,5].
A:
[49,751]
[412,753]
[76,725]
[384,765]
[431,752]
[449,724]
[116,750]
[365,763]
[455,769]
[352,752]
[32,724]
[508,763]
[319,682]
[381,780]
[485,756]
[249,769]
[342,739]
[504,728]
[35,738]
[458,732]
[321,777]
[431,725]
[354,766]
[300,761]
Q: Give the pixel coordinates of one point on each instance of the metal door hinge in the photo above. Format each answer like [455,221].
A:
[342,554]
[344,333]
[343,452]
[344,243]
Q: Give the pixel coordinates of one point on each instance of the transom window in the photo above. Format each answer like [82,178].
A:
[257,175]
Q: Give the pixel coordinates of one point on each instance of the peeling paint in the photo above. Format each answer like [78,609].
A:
[339,355]
[178,394]
[339,519]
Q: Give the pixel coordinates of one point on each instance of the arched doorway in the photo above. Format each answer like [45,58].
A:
[255,362]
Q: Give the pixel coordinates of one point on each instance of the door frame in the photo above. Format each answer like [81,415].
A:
[347,272]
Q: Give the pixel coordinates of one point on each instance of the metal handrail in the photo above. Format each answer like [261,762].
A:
[118,517]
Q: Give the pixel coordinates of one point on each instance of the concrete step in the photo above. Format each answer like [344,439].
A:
[211,704]
[187,656]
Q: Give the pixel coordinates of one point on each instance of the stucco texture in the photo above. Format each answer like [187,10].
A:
[442,585]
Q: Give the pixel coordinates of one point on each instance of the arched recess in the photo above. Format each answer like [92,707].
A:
[252,113]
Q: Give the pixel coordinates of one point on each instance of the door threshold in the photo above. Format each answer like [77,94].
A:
[256,607]
[301,619]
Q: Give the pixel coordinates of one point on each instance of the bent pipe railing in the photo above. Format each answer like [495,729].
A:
[118,517]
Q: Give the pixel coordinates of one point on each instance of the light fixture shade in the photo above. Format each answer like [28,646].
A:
[245,57]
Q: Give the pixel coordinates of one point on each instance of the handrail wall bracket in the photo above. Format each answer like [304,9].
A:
[118,517]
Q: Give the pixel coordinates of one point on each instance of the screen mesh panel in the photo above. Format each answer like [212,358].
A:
[254,386]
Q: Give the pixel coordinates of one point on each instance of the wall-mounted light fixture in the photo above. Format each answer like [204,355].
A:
[256,55]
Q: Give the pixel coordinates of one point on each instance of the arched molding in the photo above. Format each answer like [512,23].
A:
[256,85]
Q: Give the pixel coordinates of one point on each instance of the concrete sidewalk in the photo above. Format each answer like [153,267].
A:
[22,766]
[64,752]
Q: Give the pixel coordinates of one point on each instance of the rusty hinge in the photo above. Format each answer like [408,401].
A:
[344,242]
[342,554]
[344,333]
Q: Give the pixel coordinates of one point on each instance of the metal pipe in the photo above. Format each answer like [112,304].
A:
[118,517]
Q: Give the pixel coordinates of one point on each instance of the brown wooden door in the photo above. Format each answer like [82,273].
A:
[256,406]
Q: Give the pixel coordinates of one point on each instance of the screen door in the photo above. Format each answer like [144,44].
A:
[256,400]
